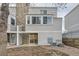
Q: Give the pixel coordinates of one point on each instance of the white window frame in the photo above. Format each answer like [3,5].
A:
[51,20]
[9,19]
[41,17]
[36,19]
[47,20]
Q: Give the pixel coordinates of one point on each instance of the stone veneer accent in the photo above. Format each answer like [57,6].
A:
[21,11]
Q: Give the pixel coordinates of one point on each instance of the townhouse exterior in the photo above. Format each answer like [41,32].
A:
[33,25]
[71,36]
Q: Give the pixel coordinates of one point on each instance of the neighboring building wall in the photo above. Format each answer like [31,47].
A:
[72,20]
[72,27]
[71,34]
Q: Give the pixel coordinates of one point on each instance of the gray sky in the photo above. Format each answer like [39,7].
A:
[64,11]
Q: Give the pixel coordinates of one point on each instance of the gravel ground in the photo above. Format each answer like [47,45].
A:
[33,51]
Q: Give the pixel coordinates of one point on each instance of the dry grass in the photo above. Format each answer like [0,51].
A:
[74,42]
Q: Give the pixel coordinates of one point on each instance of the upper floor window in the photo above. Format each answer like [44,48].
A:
[47,20]
[43,11]
[39,20]
[12,21]
[36,20]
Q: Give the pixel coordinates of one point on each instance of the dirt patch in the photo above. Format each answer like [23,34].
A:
[33,51]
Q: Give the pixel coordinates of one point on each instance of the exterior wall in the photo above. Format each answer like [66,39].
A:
[43,37]
[12,11]
[72,20]
[12,14]
[46,30]
[56,26]
[50,10]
